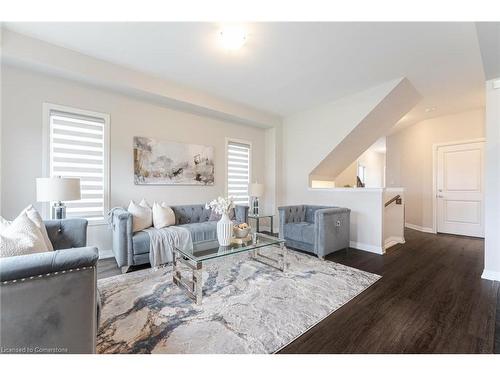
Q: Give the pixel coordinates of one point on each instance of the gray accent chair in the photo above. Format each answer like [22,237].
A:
[49,300]
[132,249]
[320,230]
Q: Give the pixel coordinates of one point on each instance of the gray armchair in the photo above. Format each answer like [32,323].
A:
[320,230]
[48,300]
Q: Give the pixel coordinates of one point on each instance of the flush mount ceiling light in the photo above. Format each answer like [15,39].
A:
[430,109]
[232,37]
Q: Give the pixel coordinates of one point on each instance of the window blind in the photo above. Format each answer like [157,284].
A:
[238,171]
[77,149]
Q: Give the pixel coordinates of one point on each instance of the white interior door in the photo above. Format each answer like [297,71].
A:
[460,188]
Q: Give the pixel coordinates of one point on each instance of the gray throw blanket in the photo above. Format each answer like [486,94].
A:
[162,242]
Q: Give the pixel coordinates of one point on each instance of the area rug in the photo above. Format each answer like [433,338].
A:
[248,307]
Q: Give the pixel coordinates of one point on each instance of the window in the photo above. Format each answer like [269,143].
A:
[77,146]
[238,171]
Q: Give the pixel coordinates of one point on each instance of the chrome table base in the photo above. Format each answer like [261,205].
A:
[194,286]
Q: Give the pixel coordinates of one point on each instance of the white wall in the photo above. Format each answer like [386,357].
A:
[348,177]
[492,194]
[367,115]
[409,159]
[23,94]
[41,56]
[394,228]
[311,135]
[366,229]
[374,163]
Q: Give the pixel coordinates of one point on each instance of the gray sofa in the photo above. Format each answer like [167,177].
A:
[320,230]
[49,300]
[131,249]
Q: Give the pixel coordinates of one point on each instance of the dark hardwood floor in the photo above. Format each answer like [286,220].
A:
[431,299]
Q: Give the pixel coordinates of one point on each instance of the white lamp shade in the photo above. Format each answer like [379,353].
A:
[256,190]
[50,189]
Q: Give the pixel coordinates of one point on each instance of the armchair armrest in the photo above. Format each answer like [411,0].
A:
[55,289]
[25,266]
[331,230]
[121,222]
[67,233]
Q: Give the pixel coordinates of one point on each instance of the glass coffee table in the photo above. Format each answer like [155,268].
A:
[208,250]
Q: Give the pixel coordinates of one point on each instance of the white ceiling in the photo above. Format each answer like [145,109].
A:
[288,67]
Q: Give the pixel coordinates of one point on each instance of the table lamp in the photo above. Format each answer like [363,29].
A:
[256,191]
[57,190]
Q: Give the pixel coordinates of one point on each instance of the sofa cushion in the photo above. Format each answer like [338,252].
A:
[199,232]
[214,216]
[188,214]
[141,242]
[301,232]
[295,214]
[202,231]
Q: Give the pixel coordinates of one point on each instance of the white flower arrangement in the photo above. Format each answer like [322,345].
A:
[221,205]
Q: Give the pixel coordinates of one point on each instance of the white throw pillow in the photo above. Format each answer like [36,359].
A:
[35,217]
[144,203]
[21,237]
[4,224]
[163,215]
[142,216]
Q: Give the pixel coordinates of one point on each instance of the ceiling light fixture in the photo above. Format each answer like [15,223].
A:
[430,109]
[232,37]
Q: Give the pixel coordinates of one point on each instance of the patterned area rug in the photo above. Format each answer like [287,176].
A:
[248,307]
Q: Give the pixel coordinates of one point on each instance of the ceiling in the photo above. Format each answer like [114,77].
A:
[489,40]
[288,67]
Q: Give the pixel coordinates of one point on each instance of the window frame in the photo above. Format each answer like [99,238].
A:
[47,152]
[226,163]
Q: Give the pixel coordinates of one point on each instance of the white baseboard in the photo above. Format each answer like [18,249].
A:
[391,241]
[490,275]
[366,247]
[106,254]
[419,228]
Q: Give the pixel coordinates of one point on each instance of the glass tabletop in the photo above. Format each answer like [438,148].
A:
[205,250]
[258,216]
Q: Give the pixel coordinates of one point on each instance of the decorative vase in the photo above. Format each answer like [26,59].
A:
[224,230]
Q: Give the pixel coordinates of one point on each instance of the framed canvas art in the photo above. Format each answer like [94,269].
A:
[171,163]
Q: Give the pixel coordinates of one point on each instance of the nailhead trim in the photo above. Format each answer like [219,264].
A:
[47,274]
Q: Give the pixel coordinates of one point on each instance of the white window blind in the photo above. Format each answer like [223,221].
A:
[238,171]
[78,148]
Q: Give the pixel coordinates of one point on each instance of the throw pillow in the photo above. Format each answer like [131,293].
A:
[142,216]
[163,215]
[144,203]
[35,217]
[21,237]
[216,217]
[4,224]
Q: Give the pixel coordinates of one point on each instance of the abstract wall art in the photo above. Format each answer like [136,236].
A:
[171,163]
